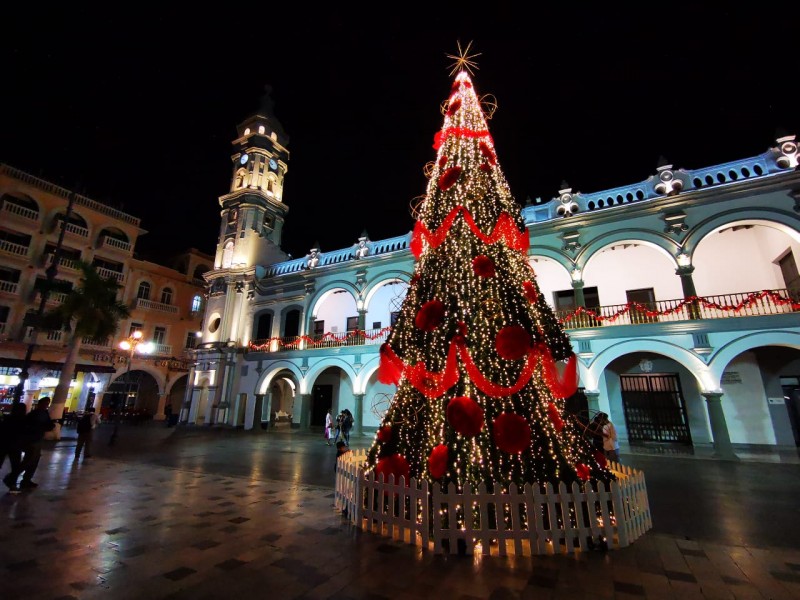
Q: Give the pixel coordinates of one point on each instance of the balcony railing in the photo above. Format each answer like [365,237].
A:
[93,343]
[162,349]
[9,287]
[77,230]
[150,305]
[744,304]
[12,248]
[109,274]
[724,306]
[20,211]
[115,244]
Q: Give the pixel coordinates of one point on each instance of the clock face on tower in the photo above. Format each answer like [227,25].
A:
[272,164]
[243,159]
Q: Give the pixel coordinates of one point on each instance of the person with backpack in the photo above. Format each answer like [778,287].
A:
[347,425]
[86,426]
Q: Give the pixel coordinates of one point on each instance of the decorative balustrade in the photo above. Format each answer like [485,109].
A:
[162,349]
[109,274]
[68,263]
[12,248]
[93,343]
[77,230]
[9,287]
[20,211]
[115,244]
[723,306]
[151,305]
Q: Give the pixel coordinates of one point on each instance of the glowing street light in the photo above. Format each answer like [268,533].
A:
[132,344]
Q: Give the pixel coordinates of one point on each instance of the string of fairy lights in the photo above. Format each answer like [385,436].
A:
[475,348]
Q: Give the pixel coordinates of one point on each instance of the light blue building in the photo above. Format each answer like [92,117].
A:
[680,294]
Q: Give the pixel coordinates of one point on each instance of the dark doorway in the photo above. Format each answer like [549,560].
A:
[655,410]
[321,401]
[791,394]
[291,324]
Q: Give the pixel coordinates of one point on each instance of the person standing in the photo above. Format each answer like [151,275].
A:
[86,427]
[37,423]
[610,442]
[11,440]
[347,425]
[339,419]
[328,427]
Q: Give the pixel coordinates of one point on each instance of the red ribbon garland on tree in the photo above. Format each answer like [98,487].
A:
[504,229]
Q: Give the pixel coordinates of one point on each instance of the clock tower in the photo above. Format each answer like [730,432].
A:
[253,211]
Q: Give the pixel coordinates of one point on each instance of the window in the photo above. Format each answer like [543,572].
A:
[197,303]
[291,325]
[159,335]
[319,327]
[264,326]
[376,324]
[565,299]
[352,323]
[143,292]
[261,129]
[134,327]
[166,296]
[191,340]
[227,255]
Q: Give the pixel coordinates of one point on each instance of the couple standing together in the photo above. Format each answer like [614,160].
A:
[342,426]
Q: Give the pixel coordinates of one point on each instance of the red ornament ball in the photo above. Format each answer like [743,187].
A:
[512,434]
[438,139]
[485,167]
[530,291]
[583,472]
[483,266]
[513,342]
[430,315]
[385,434]
[396,465]
[437,461]
[465,416]
[443,161]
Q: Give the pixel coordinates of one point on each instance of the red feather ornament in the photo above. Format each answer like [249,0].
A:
[390,368]
[583,471]
[385,434]
[600,458]
[513,342]
[485,167]
[491,157]
[449,177]
[438,138]
[396,465]
[483,266]
[465,416]
[530,291]
[555,416]
[512,434]
[453,107]
[437,461]
[430,315]
[443,161]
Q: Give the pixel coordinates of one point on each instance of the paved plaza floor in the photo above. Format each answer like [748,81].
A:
[201,513]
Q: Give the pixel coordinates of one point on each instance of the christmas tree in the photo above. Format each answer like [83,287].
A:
[481,363]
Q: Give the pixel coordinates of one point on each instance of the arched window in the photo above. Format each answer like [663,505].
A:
[144,291]
[291,324]
[197,303]
[166,296]
[263,326]
[227,255]
[261,129]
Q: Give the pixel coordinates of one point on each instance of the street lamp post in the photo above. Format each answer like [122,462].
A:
[131,345]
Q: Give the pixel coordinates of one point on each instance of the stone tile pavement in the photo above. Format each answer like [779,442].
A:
[126,529]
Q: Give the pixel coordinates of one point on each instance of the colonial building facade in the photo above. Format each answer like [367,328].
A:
[680,294]
[166,301]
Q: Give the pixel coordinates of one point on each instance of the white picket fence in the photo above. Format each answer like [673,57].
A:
[531,520]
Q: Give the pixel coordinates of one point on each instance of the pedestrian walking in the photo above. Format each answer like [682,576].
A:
[37,423]
[86,426]
[12,430]
[328,427]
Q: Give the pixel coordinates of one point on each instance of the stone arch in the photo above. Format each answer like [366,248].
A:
[382,280]
[316,300]
[658,241]
[264,381]
[781,220]
[22,200]
[722,357]
[328,362]
[593,373]
[552,253]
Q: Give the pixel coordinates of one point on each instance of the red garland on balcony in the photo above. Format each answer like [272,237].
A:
[437,461]
[317,341]
[504,229]
[751,299]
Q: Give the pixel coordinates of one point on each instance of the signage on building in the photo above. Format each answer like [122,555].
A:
[731,377]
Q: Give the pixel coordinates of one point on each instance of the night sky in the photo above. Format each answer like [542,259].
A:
[138,109]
